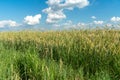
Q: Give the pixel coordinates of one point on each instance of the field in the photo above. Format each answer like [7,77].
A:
[60,55]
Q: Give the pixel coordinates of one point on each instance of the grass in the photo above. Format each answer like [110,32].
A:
[60,55]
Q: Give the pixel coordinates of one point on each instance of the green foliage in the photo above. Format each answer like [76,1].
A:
[60,55]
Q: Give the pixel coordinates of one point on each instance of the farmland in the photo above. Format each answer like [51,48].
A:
[60,55]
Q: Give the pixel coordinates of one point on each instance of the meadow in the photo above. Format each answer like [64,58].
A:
[60,55]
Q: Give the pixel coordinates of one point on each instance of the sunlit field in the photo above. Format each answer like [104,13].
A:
[60,55]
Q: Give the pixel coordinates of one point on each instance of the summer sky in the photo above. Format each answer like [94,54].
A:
[57,14]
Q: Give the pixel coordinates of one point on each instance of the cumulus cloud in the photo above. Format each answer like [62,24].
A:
[32,20]
[56,7]
[71,25]
[98,22]
[8,23]
[55,16]
[93,17]
[29,20]
[68,23]
[115,19]
[81,24]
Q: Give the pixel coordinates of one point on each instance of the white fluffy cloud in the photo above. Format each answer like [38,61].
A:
[98,22]
[93,17]
[32,20]
[71,25]
[75,3]
[54,17]
[8,23]
[115,19]
[56,7]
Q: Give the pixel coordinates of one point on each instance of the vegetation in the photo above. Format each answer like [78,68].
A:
[60,55]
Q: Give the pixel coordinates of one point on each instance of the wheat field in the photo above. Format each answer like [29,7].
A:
[60,55]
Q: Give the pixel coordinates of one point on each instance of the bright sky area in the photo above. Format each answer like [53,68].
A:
[58,14]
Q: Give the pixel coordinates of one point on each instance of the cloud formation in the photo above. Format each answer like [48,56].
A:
[32,20]
[115,19]
[93,17]
[98,22]
[56,7]
[8,23]
[71,25]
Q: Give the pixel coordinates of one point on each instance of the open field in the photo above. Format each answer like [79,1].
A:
[60,55]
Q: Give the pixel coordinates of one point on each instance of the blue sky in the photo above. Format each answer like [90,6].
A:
[35,14]
[18,9]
